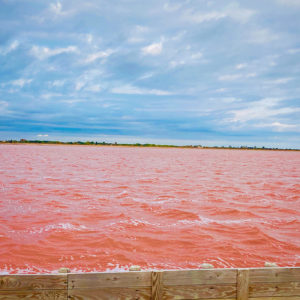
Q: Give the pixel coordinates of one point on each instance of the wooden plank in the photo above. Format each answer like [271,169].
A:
[33,282]
[274,275]
[274,289]
[98,280]
[191,277]
[157,285]
[274,298]
[35,294]
[111,294]
[199,291]
[242,284]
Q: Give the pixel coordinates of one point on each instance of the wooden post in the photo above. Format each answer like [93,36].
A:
[242,284]
[156,286]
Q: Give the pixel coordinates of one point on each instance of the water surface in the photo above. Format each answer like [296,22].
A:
[104,208]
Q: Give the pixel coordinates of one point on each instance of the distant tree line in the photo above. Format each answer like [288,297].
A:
[25,141]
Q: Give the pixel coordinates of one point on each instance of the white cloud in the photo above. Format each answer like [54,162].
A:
[239,14]
[277,126]
[153,49]
[137,35]
[261,110]
[232,11]
[189,59]
[87,79]
[57,83]
[100,54]
[279,80]
[230,77]
[42,135]
[3,107]
[241,66]
[56,8]
[132,90]
[93,88]
[20,82]
[261,36]
[172,7]
[293,51]
[45,52]
[146,76]
[13,46]
[289,2]
[79,85]
[204,17]
[89,38]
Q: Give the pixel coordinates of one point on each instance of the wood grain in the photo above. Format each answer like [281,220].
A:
[274,298]
[33,282]
[157,285]
[274,289]
[191,277]
[111,294]
[98,280]
[242,284]
[274,275]
[39,295]
[199,291]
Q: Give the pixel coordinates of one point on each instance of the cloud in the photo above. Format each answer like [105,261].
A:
[88,79]
[132,90]
[153,49]
[172,7]
[137,34]
[11,47]
[279,80]
[230,77]
[261,36]
[56,8]
[241,66]
[233,77]
[260,110]
[280,127]
[204,17]
[45,52]
[3,107]
[42,135]
[289,2]
[100,54]
[189,59]
[93,88]
[57,83]
[293,51]
[20,82]
[232,11]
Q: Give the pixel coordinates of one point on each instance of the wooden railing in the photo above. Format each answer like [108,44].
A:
[204,284]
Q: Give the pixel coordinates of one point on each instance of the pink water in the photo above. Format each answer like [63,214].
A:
[105,208]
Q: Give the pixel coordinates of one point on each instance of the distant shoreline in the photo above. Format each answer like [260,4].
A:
[91,143]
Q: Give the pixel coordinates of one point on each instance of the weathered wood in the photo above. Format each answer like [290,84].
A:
[242,284]
[33,282]
[98,280]
[156,285]
[111,294]
[35,294]
[191,277]
[199,291]
[274,275]
[274,289]
[274,298]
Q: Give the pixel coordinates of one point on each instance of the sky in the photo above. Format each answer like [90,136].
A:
[168,72]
